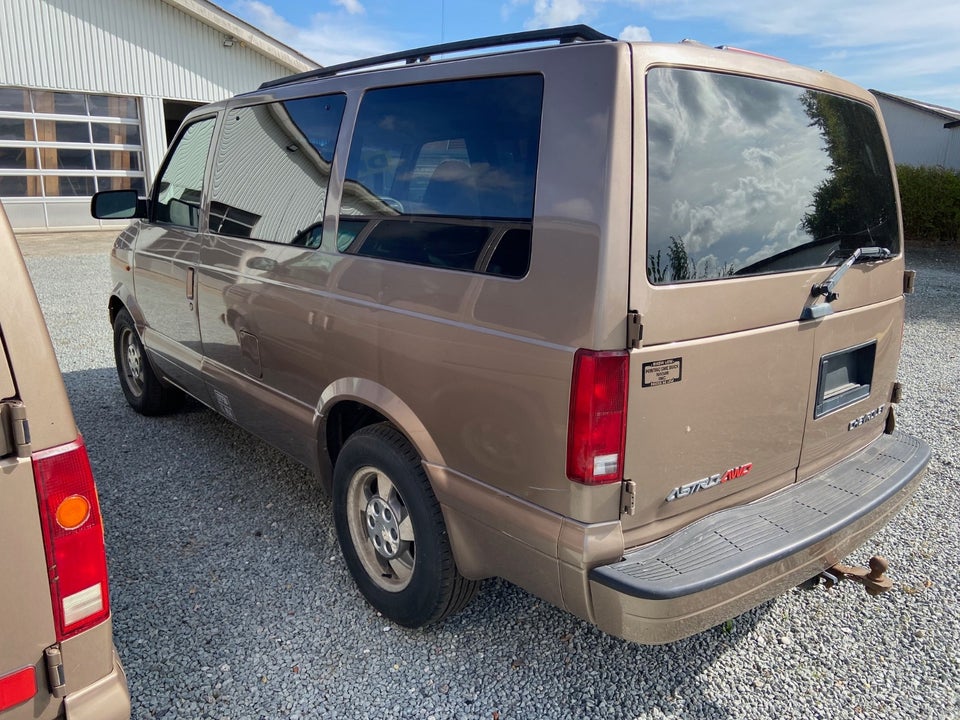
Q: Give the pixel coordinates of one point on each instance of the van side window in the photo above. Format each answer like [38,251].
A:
[443,174]
[749,176]
[180,187]
[272,170]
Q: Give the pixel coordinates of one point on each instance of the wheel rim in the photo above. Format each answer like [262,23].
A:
[381,529]
[131,361]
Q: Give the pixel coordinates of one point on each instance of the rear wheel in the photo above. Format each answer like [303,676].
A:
[146,393]
[391,530]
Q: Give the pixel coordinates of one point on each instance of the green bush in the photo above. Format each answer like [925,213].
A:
[930,200]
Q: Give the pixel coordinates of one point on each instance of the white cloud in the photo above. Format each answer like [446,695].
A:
[635,33]
[328,38]
[351,6]
[884,44]
[834,25]
[554,13]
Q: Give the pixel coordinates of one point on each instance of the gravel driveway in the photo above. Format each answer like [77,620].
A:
[230,598]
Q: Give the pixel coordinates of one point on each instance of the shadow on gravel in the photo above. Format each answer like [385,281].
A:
[230,599]
[595,671]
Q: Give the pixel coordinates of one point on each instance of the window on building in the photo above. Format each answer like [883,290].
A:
[60,144]
[443,174]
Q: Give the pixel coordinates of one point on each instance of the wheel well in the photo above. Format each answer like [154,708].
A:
[114,306]
[346,418]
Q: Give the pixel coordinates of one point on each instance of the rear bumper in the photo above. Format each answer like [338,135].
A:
[733,560]
[106,699]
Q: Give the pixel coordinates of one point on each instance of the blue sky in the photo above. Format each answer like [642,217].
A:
[909,49]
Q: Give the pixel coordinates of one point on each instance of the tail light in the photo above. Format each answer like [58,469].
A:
[73,537]
[596,432]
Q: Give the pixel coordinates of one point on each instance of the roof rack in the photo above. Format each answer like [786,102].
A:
[563,35]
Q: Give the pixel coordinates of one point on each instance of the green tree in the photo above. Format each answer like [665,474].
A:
[682,266]
[856,200]
[930,200]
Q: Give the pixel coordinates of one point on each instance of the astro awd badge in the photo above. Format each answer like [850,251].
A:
[709,482]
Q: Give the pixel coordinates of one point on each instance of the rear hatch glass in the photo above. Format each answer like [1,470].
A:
[749,176]
[757,191]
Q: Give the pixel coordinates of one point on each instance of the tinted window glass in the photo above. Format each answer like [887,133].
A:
[15,99]
[59,102]
[68,186]
[115,133]
[272,169]
[748,176]
[180,187]
[70,159]
[443,173]
[19,186]
[16,129]
[63,131]
[117,160]
[122,183]
[18,158]
[113,106]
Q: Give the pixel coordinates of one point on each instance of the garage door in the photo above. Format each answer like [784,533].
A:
[58,148]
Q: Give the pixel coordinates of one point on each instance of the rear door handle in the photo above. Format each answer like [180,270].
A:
[190,276]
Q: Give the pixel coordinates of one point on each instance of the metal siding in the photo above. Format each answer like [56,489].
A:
[952,153]
[918,137]
[154,135]
[133,47]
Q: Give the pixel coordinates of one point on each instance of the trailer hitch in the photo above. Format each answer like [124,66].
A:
[872,578]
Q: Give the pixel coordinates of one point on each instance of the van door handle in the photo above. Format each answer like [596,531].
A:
[190,276]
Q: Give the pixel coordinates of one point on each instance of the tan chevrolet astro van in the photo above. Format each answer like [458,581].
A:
[618,322]
[56,644]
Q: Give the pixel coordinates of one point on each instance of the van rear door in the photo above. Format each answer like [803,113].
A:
[757,190]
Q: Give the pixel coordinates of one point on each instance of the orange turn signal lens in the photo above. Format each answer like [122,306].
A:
[72,512]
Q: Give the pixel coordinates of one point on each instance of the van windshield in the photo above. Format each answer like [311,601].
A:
[749,176]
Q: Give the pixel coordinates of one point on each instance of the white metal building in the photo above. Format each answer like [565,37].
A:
[91,91]
[920,133]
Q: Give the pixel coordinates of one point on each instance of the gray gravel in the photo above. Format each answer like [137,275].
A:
[231,601]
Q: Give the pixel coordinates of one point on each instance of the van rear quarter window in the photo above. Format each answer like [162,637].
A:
[751,176]
[443,174]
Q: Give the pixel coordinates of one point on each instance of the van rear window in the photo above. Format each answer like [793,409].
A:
[749,176]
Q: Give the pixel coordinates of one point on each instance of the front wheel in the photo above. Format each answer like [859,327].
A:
[391,530]
[146,393]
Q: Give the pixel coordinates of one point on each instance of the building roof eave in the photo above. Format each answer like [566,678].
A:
[230,25]
[947,114]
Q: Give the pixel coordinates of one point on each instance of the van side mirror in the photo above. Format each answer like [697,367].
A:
[117,205]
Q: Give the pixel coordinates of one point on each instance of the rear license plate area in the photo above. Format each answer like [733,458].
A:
[845,378]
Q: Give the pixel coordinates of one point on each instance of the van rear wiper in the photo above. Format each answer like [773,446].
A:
[828,288]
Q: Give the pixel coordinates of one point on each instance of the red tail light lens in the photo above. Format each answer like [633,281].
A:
[597,426]
[73,536]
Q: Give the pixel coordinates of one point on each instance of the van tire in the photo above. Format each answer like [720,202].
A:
[146,393]
[391,530]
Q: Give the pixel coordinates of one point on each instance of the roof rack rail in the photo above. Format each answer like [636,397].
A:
[567,34]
